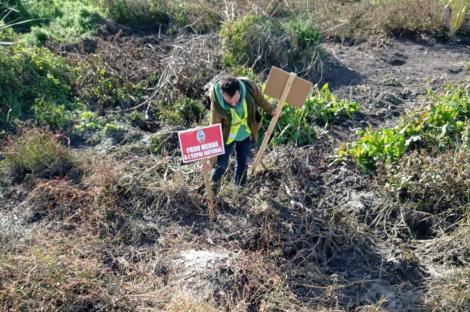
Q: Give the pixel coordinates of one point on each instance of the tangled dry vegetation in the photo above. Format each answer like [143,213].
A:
[124,225]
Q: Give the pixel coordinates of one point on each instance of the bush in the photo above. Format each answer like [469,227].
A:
[34,84]
[442,125]
[115,131]
[149,13]
[39,153]
[183,112]
[88,128]
[297,126]
[58,21]
[261,42]
[202,18]
[6,32]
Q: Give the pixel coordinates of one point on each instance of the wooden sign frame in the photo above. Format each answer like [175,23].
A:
[285,87]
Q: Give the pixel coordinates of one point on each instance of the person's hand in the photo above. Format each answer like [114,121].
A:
[275,111]
[206,167]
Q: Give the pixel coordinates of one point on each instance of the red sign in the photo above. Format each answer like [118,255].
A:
[201,143]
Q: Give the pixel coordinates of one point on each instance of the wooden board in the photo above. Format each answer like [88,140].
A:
[277,81]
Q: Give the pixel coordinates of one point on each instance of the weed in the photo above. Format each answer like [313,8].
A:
[441,125]
[183,111]
[37,152]
[88,127]
[297,126]
[6,33]
[115,131]
[58,274]
[58,21]
[101,88]
[51,114]
[359,20]
[149,13]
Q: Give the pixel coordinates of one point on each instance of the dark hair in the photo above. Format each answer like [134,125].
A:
[230,85]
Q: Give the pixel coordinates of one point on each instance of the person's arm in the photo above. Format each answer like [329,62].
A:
[214,119]
[261,101]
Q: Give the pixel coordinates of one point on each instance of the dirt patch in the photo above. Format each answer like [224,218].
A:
[389,77]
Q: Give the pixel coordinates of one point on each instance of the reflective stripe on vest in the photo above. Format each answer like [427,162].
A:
[238,122]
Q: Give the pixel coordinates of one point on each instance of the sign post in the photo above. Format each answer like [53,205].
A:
[287,88]
[201,144]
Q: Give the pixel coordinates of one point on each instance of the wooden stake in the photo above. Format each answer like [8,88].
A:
[269,132]
[210,193]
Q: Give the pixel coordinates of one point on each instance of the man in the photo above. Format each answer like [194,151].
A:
[234,104]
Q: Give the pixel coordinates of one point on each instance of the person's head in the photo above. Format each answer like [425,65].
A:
[230,90]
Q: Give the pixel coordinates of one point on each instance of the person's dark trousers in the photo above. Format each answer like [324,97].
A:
[242,153]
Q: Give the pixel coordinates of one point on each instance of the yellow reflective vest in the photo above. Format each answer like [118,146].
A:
[238,122]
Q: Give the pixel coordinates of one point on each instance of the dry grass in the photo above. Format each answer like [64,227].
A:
[38,152]
[183,302]
[358,21]
[450,293]
[434,183]
[53,273]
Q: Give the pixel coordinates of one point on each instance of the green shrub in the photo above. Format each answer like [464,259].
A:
[202,18]
[297,126]
[183,112]
[38,152]
[441,126]
[375,146]
[6,33]
[89,121]
[34,81]
[137,12]
[59,21]
[51,114]
[261,42]
[158,143]
[88,128]
[115,131]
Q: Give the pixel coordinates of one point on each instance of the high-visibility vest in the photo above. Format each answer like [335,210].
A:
[238,122]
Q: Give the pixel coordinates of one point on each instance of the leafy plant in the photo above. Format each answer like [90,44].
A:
[297,126]
[441,125]
[51,114]
[374,146]
[103,89]
[115,131]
